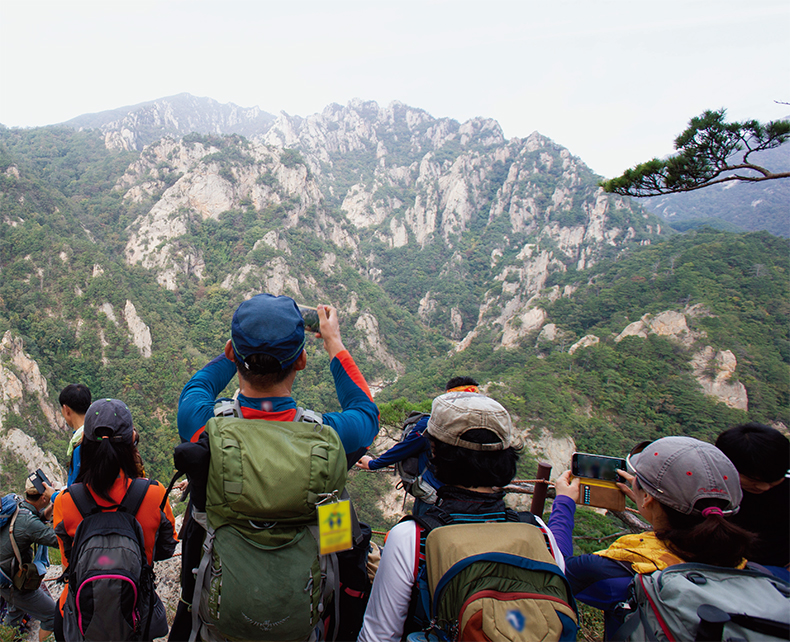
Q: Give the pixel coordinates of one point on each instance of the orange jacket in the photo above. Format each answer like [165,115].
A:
[159,527]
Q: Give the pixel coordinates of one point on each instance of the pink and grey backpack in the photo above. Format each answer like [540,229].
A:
[111,584]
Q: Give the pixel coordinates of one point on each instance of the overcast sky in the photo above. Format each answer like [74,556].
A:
[614,81]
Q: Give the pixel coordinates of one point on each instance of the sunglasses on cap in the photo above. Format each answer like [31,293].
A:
[631,469]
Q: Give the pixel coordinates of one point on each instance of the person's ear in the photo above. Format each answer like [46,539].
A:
[301,361]
[229,351]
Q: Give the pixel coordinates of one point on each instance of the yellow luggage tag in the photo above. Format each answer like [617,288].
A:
[334,527]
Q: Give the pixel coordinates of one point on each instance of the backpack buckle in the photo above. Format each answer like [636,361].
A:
[327,498]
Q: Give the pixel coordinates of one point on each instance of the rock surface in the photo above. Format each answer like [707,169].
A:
[714,370]
[416,180]
[22,384]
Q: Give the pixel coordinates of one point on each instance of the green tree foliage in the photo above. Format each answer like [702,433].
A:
[609,396]
[61,256]
[710,151]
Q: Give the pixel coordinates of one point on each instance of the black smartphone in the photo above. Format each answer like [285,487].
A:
[597,467]
[38,480]
[310,316]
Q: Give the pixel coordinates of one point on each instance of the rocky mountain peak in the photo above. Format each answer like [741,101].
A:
[135,126]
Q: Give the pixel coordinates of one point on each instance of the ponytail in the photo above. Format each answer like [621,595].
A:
[709,538]
[101,463]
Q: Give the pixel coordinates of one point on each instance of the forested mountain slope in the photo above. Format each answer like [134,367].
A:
[445,247]
[688,336]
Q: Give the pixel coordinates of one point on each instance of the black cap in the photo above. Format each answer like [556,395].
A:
[113,415]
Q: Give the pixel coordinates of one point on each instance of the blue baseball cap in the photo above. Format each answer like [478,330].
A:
[270,325]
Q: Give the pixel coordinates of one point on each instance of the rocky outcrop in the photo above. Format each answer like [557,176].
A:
[714,371]
[274,277]
[383,178]
[25,449]
[21,381]
[205,188]
[369,326]
[669,324]
[135,126]
[555,451]
[518,326]
[586,341]
[139,332]
[22,385]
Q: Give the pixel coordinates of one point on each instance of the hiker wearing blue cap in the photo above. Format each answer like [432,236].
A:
[267,350]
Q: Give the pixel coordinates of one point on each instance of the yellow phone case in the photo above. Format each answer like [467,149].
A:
[600,494]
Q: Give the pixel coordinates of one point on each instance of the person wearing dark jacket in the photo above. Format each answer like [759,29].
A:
[417,444]
[31,527]
[762,456]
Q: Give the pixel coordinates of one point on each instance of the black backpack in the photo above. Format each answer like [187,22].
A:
[409,468]
[111,584]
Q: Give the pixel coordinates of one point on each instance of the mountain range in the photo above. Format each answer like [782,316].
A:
[128,237]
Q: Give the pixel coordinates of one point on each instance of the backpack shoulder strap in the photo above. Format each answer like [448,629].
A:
[12,538]
[433,518]
[225,407]
[135,495]
[524,516]
[176,476]
[83,499]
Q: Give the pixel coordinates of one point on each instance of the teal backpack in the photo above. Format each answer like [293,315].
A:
[261,576]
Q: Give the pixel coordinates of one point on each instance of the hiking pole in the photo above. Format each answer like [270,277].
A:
[541,486]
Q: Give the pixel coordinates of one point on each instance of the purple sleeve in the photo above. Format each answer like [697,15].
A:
[561,523]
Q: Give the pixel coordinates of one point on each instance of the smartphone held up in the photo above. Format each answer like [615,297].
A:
[38,479]
[598,479]
[310,316]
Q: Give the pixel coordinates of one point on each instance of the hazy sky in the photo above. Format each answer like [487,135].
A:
[614,81]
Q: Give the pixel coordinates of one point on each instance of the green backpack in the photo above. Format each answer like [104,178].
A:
[261,576]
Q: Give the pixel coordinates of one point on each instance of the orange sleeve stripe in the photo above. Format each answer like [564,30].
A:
[197,434]
[350,366]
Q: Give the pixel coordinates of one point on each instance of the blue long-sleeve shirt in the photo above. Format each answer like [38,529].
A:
[356,425]
[415,443]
